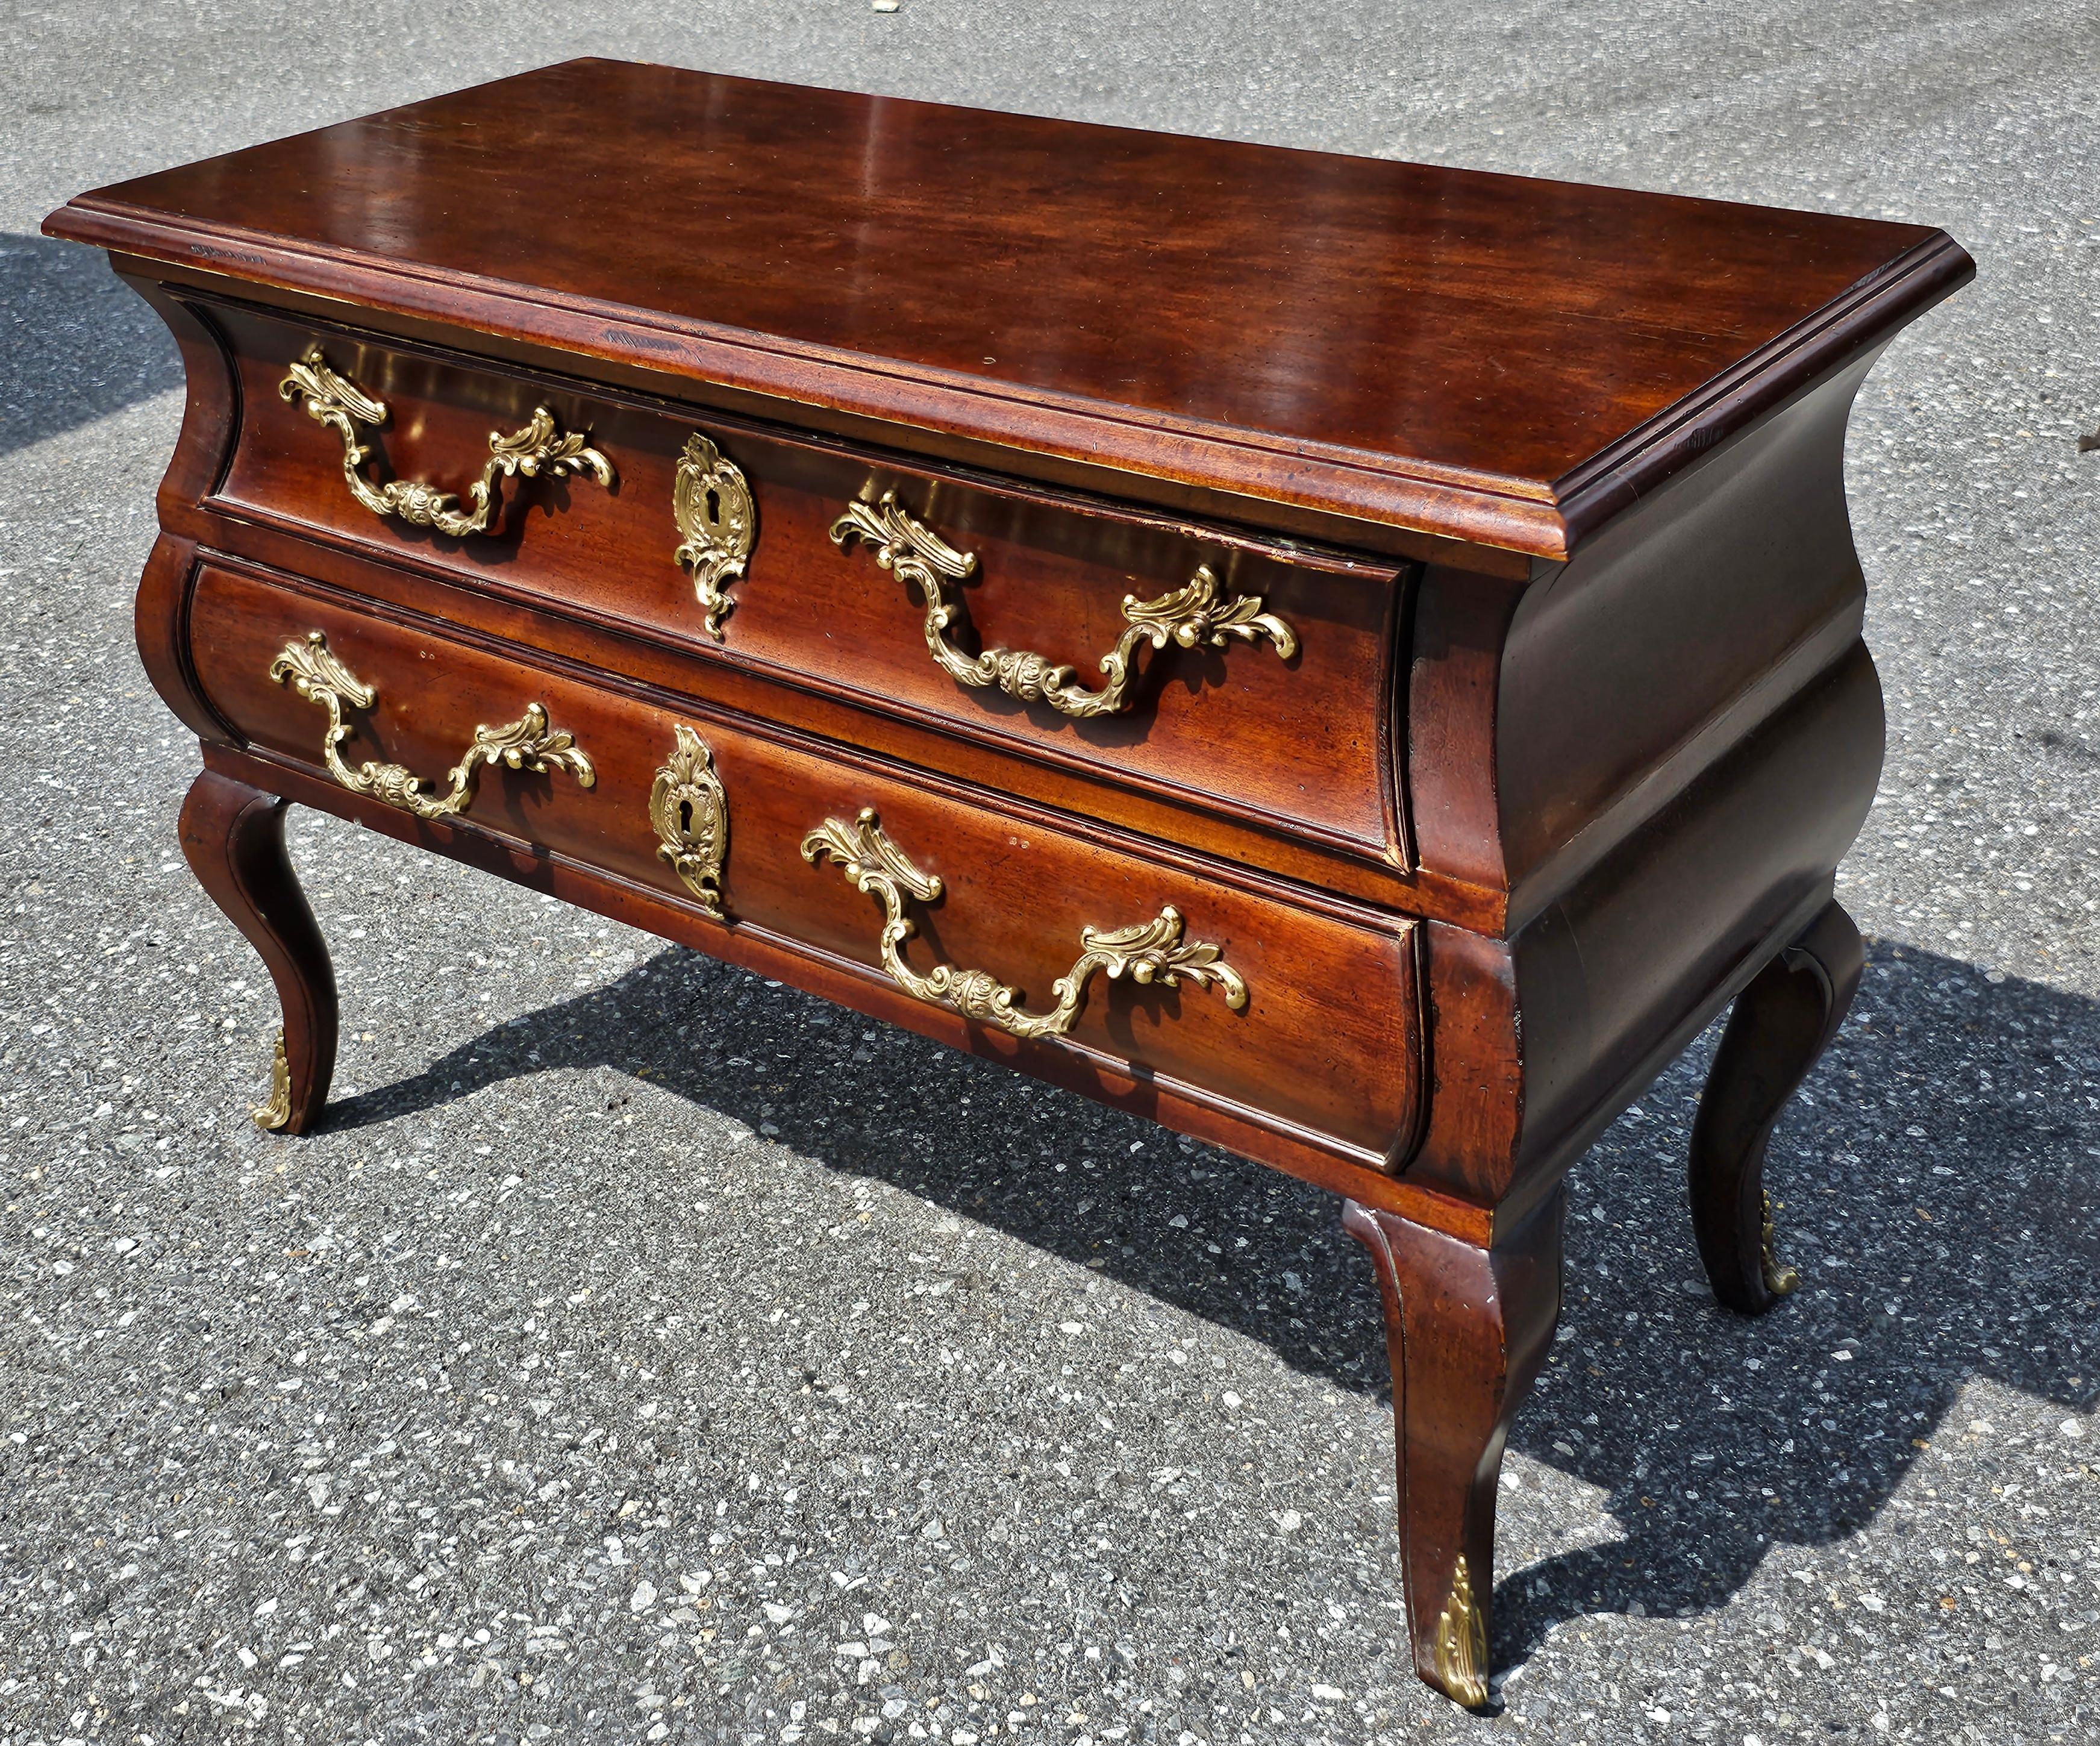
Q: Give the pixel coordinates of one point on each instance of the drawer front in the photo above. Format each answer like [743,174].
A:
[1302,1016]
[1246,677]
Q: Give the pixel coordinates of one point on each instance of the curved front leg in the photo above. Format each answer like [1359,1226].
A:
[1782,1022]
[233,836]
[1467,1329]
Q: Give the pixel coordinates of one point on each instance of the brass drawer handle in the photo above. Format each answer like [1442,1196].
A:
[1150,952]
[1188,616]
[537,449]
[527,744]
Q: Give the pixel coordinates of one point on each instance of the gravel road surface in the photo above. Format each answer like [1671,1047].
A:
[647,1352]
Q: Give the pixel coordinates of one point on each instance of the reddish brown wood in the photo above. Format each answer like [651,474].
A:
[1225,730]
[1513,825]
[1485,357]
[1782,1023]
[1462,623]
[1712,604]
[857,986]
[644,377]
[1467,1329]
[1250,840]
[1538,1040]
[160,617]
[1330,987]
[211,406]
[233,836]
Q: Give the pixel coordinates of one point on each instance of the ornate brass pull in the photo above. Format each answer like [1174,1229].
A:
[711,503]
[539,447]
[527,744]
[1150,952]
[1190,615]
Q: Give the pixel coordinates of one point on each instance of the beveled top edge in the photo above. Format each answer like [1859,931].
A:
[1512,514]
[877,388]
[1866,317]
[1540,518]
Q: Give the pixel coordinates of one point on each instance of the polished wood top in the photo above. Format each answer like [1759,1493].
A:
[1486,357]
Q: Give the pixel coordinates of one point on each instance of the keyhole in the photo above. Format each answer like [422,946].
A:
[714,506]
[684,818]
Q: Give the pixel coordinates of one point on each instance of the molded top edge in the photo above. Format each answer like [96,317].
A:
[1491,359]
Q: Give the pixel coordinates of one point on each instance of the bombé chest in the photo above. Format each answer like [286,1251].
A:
[1354,660]
[1129,522]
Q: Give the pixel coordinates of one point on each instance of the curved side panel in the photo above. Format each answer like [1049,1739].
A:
[1549,720]
[1670,637]
[211,414]
[161,620]
[1473,1063]
[211,423]
[1619,975]
[1454,702]
[1533,1044]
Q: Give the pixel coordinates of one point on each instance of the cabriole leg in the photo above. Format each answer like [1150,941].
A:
[1782,1022]
[233,836]
[1467,1330]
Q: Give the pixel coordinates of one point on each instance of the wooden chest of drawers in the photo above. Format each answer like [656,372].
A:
[1353,661]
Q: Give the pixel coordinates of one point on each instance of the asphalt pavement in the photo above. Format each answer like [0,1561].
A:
[645,1351]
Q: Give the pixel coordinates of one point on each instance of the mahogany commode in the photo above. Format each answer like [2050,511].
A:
[1355,661]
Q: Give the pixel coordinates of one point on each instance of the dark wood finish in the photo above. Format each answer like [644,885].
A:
[1467,1329]
[855,985]
[1549,481]
[1229,731]
[1549,1032]
[1782,1023]
[1499,361]
[1714,604]
[233,837]
[1328,989]
[1257,842]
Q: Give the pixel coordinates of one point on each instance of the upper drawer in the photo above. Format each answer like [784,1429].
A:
[1209,667]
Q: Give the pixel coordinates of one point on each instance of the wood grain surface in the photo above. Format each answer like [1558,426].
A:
[1547,481]
[1230,730]
[1479,356]
[1325,994]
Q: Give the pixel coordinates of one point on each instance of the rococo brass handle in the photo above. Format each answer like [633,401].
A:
[1150,952]
[1189,615]
[527,744]
[537,449]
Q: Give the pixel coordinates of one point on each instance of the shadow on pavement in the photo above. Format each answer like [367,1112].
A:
[1937,1183]
[80,343]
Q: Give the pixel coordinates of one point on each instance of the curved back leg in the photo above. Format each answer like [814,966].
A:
[1782,1022]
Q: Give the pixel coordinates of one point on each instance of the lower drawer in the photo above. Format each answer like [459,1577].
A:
[1302,1016]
